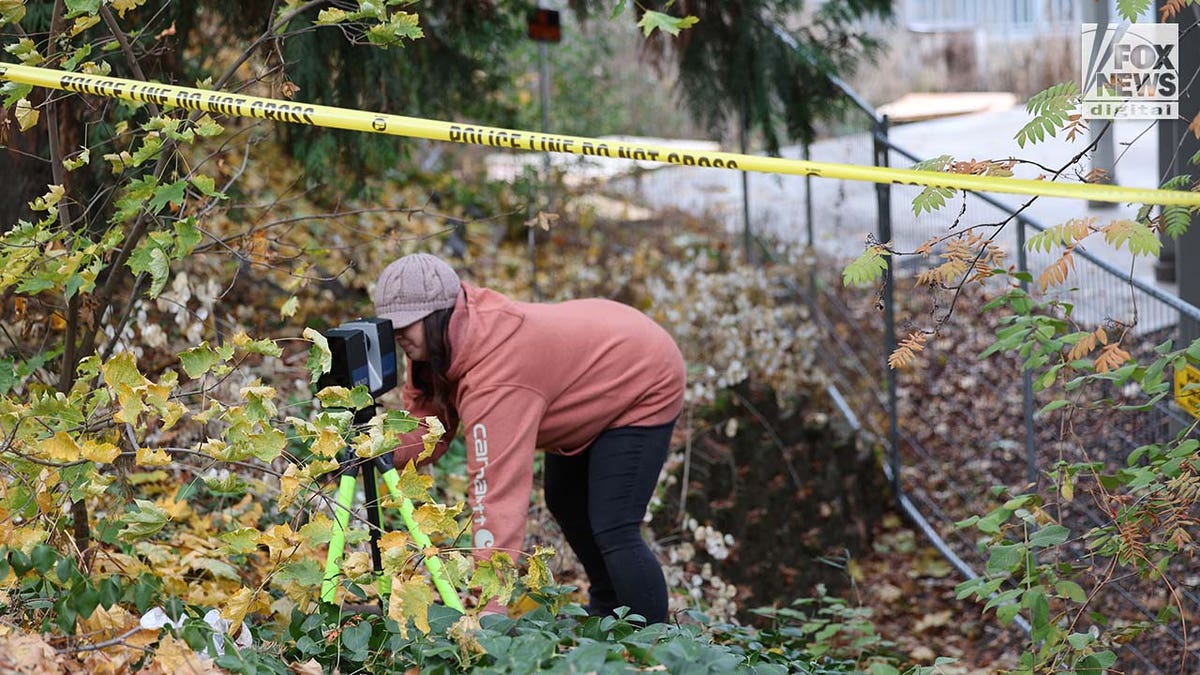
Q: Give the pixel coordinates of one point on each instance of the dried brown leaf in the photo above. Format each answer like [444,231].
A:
[1111,358]
[906,352]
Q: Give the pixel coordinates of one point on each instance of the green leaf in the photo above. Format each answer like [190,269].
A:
[25,49]
[990,524]
[932,199]
[1140,238]
[355,639]
[1008,612]
[399,27]
[145,520]
[150,258]
[132,199]
[198,360]
[168,194]
[413,484]
[867,268]
[1051,109]
[267,444]
[14,92]
[1005,558]
[78,159]
[1050,535]
[652,20]
[8,375]
[218,568]
[151,146]
[1131,9]
[206,186]
[240,541]
[341,397]
[1070,590]
[187,237]
[305,572]
[320,359]
[1039,613]
[207,127]
[494,578]
[399,422]
[78,7]
[939,163]
[1052,406]
[1177,219]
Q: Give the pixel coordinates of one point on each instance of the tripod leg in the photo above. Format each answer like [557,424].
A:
[371,490]
[433,564]
[337,544]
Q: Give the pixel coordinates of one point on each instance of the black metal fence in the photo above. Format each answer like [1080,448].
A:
[936,481]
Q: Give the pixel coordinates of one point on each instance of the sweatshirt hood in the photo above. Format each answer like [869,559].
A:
[482,321]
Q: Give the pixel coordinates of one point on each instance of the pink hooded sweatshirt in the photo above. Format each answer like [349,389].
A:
[550,376]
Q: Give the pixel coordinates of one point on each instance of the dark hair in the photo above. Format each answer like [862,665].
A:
[431,376]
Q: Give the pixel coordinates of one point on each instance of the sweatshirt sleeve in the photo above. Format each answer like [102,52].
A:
[501,428]
[420,407]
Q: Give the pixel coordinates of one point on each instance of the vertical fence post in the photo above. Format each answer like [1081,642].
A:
[808,198]
[744,143]
[1031,467]
[883,203]
[810,255]
[544,94]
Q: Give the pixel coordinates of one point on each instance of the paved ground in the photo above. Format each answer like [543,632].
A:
[844,212]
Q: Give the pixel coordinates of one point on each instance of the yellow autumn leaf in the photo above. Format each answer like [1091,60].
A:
[235,608]
[108,623]
[356,565]
[83,23]
[437,518]
[122,368]
[289,307]
[176,510]
[22,539]
[317,468]
[318,530]
[99,452]
[394,551]
[49,200]
[123,6]
[59,448]
[410,600]
[174,411]
[27,115]
[328,443]
[278,539]
[396,608]
[131,404]
[175,656]
[414,484]
[431,438]
[151,457]
[289,486]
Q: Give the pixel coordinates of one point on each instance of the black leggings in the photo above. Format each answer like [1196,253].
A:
[599,497]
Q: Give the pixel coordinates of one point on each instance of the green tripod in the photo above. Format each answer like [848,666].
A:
[347,484]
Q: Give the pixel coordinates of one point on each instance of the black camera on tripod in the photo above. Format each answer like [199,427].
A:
[364,353]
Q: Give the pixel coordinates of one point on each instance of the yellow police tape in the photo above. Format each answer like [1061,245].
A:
[357,120]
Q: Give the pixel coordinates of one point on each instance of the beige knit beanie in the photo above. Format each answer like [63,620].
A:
[414,287]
